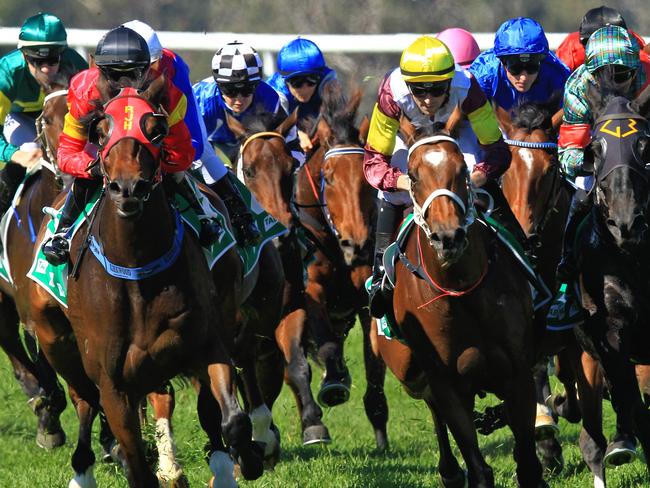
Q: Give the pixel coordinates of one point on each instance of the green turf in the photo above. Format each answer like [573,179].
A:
[350,461]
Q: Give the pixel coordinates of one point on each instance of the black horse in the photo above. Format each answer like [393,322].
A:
[614,258]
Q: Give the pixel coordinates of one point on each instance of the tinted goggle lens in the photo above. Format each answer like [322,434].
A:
[50,61]
[243,89]
[299,81]
[517,67]
[433,89]
[623,75]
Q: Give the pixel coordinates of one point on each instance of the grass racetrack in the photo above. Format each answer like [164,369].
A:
[350,461]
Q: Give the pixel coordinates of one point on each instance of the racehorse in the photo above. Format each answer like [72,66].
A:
[120,339]
[338,206]
[613,260]
[464,312]
[37,379]
[267,168]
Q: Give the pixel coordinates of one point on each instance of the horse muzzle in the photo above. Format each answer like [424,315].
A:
[629,235]
[449,244]
[129,196]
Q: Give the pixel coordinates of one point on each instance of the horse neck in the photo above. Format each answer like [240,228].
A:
[136,242]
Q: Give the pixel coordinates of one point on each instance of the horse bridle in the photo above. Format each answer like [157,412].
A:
[50,161]
[558,176]
[419,211]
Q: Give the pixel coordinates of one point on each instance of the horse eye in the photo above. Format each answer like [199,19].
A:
[249,172]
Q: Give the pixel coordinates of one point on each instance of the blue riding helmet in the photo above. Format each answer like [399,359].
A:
[300,57]
[520,36]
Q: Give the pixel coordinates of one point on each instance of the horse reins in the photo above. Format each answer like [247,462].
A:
[50,162]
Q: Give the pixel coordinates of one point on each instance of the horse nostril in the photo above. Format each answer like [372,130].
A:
[346,243]
[459,235]
[639,224]
[610,223]
[141,188]
[435,236]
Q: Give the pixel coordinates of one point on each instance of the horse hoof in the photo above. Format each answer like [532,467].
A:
[223,470]
[180,482]
[333,393]
[316,434]
[619,452]
[550,456]
[251,461]
[459,480]
[50,440]
[545,425]
[83,480]
[273,457]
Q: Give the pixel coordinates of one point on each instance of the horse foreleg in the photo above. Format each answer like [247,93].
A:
[374,399]
[124,421]
[235,426]
[83,458]
[289,336]
[451,475]
[520,403]
[169,470]
[643,378]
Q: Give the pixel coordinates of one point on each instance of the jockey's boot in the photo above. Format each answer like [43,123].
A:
[211,230]
[246,230]
[10,178]
[57,248]
[567,268]
[387,222]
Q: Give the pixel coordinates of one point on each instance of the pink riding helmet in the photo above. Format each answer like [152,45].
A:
[462,45]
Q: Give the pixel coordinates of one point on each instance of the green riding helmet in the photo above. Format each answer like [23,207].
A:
[42,36]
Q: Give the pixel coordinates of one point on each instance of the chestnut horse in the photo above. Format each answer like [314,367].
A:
[37,379]
[119,339]
[465,313]
[268,169]
[338,206]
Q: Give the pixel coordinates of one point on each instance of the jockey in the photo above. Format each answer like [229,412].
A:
[236,88]
[520,68]
[611,55]
[41,58]
[462,45]
[214,172]
[572,49]
[301,78]
[122,59]
[426,88]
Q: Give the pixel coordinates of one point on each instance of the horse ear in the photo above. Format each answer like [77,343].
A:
[453,121]
[407,129]
[324,131]
[235,126]
[505,122]
[364,127]
[355,100]
[556,120]
[288,123]
[642,102]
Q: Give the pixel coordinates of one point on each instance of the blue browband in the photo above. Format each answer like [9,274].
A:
[531,145]
[151,269]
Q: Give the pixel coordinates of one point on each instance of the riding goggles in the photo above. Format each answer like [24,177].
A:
[517,64]
[433,89]
[38,62]
[299,81]
[233,89]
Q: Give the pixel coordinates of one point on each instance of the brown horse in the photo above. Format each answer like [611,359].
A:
[37,379]
[338,206]
[465,313]
[268,171]
[119,339]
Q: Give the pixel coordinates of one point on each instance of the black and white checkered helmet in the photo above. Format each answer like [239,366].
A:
[236,63]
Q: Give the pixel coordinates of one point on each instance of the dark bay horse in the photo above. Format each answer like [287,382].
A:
[465,315]
[268,171]
[37,379]
[613,252]
[120,339]
[338,206]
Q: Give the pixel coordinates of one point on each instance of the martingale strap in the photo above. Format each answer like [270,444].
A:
[151,269]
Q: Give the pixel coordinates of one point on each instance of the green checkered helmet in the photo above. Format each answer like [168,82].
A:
[42,36]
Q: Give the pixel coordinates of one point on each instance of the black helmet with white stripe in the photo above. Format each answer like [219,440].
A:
[237,63]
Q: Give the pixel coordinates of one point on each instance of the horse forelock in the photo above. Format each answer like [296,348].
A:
[340,113]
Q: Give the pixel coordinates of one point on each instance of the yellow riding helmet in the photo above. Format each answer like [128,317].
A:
[427,59]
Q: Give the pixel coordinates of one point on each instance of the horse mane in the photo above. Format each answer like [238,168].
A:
[437,129]
[531,116]
[340,113]
[261,121]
